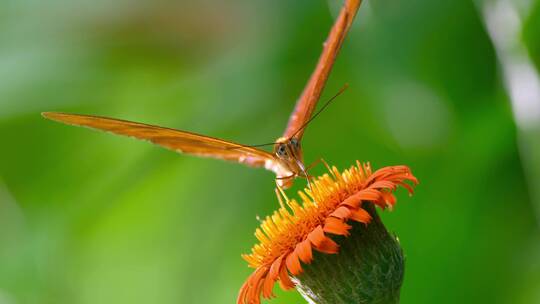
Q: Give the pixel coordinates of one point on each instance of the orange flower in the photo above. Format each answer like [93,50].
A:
[289,238]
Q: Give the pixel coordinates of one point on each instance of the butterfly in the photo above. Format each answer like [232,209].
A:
[286,160]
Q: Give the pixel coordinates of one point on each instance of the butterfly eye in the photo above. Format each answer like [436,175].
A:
[281,151]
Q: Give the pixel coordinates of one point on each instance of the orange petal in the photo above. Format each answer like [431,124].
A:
[303,250]
[316,237]
[285,281]
[336,226]
[271,278]
[256,298]
[328,246]
[383,184]
[268,286]
[274,269]
[360,215]
[381,203]
[389,198]
[351,201]
[241,299]
[411,178]
[293,263]
[363,195]
[341,213]
[255,284]
[388,173]
[368,195]
[407,186]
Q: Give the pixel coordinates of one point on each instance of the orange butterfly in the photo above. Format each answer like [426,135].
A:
[286,161]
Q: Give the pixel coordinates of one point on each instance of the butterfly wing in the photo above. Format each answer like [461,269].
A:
[312,92]
[176,140]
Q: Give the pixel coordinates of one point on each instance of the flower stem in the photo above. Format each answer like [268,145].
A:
[368,269]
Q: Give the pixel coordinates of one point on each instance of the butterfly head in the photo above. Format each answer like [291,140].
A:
[289,152]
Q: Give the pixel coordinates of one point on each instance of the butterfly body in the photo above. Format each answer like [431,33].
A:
[288,152]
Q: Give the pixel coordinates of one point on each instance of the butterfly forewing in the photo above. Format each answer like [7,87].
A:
[307,102]
[176,140]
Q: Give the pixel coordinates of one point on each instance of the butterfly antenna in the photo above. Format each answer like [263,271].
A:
[321,109]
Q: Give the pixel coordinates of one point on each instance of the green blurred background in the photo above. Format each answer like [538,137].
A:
[449,88]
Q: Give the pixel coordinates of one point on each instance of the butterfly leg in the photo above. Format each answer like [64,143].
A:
[318,161]
[315,163]
[285,182]
[280,194]
[306,175]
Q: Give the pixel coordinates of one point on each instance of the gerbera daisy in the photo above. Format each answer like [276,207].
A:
[290,239]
